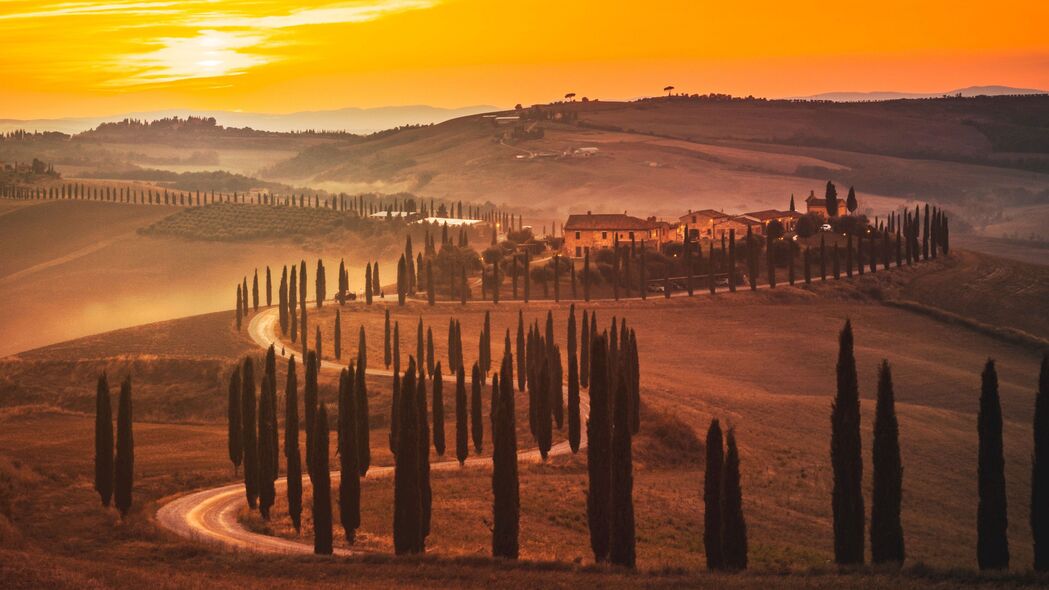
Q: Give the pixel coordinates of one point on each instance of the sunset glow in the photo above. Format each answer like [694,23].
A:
[275,56]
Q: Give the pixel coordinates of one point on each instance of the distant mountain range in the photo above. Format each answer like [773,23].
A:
[888,95]
[353,120]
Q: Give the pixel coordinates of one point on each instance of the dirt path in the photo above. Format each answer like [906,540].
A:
[210,516]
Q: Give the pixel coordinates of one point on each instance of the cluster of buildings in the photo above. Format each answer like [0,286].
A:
[602,230]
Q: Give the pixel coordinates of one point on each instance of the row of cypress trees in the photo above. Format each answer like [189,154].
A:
[114,471]
[724,527]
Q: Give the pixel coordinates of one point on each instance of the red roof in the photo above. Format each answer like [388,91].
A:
[607,221]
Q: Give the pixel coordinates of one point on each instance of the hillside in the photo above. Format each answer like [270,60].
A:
[980,157]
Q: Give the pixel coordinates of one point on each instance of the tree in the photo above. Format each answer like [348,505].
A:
[438,411]
[376,289]
[293,316]
[846,457]
[734,526]
[850,201]
[386,339]
[623,541]
[832,200]
[249,432]
[792,208]
[321,476]
[267,493]
[349,480]
[240,309]
[774,230]
[124,462]
[364,453]
[1040,471]
[337,336]
[462,445]
[282,301]
[886,529]
[255,291]
[573,384]
[309,399]
[425,490]
[269,288]
[712,497]
[506,505]
[521,354]
[992,542]
[584,353]
[407,498]
[476,422]
[368,294]
[104,441]
[402,281]
[598,502]
[291,446]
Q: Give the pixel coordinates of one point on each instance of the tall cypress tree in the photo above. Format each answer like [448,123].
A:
[477,423]
[240,310]
[623,541]
[249,432]
[293,315]
[573,402]
[886,528]
[846,457]
[438,411]
[1040,471]
[712,497]
[309,398]
[320,474]
[368,284]
[282,301]
[291,446]
[386,340]
[267,493]
[407,497]
[598,501]
[269,288]
[425,490]
[349,480]
[337,335]
[544,401]
[364,453]
[506,508]
[521,355]
[104,441]
[584,353]
[734,526]
[430,356]
[124,462]
[255,291]
[992,542]
[462,445]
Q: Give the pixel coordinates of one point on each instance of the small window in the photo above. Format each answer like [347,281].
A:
[604,235]
[577,235]
[631,236]
[578,250]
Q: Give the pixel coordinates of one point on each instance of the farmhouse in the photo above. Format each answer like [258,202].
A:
[789,219]
[699,223]
[593,231]
[814,204]
[739,223]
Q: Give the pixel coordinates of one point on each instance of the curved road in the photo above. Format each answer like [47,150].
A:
[210,516]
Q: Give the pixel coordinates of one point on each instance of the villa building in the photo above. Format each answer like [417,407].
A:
[602,230]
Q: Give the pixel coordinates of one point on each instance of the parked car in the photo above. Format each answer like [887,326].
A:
[826,227]
[721,282]
[653,288]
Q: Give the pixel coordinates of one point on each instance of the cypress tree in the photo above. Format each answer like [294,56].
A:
[302,327]
[321,476]
[424,455]
[337,335]
[622,546]
[407,496]
[521,354]
[124,462]
[282,301]
[527,277]
[598,501]
[420,348]
[1040,471]
[249,432]
[712,497]
[376,289]
[267,493]
[544,403]
[461,435]
[485,355]
[438,411]
[732,260]
[586,275]
[255,291]
[293,316]
[886,529]
[364,453]
[584,353]
[349,480]
[402,281]
[846,457]
[291,446]
[368,284]
[244,295]
[634,382]
[506,508]
[269,288]
[992,542]
[240,311]
[429,351]
[302,284]
[309,399]
[477,425]
[734,527]
[104,441]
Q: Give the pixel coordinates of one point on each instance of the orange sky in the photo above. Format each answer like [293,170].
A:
[74,58]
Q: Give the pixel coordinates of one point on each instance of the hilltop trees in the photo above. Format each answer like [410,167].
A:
[104,441]
[886,529]
[992,542]
[832,199]
[846,459]
[124,462]
[712,497]
[321,477]
[1040,471]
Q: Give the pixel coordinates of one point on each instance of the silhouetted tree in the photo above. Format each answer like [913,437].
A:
[104,441]
[886,528]
[506,507]
[521,354]
[320,474]
[622,549]
[425,491]
[734,526]
[368,294]
[349,480]
[386,340]
[240,310]
[291,446]
[573,384]
[407,497]
[476,422]
[584,353]
[598,501]
[269,288]
[1040,471]
[337,336]
[712,497]
[255,291]
[992,542]
[124,462]
[850,201]
[282,301]
[249,432]
[309,398]
[267,493]
[364,453]
[438,411]
[846,457]
[832,199]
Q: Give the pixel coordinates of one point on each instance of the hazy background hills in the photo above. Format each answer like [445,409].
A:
[895,95]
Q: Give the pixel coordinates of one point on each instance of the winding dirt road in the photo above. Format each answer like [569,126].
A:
[210,516]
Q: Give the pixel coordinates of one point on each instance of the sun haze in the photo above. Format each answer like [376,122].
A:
[267,55]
